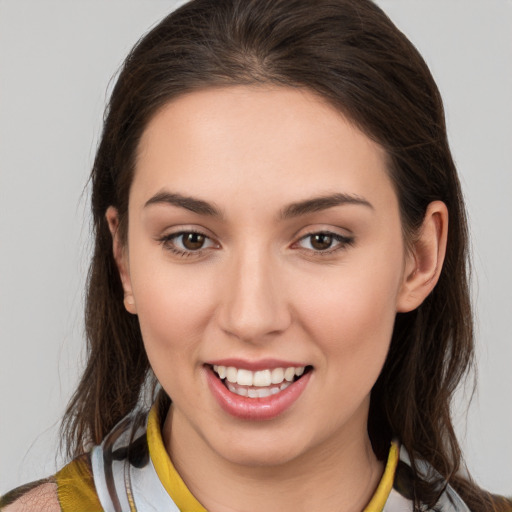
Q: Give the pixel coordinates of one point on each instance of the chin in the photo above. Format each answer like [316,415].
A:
[269,450]
[256,457]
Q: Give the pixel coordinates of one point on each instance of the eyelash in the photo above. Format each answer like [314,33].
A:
[343,243]
[167,242]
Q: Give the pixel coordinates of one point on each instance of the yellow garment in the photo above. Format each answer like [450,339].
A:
[386,483]
[165,469]
[75,487]
[76,490]
[186,502]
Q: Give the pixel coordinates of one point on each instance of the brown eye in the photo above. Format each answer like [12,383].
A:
[193,241]
[321,241]
[187,243]
[325,242]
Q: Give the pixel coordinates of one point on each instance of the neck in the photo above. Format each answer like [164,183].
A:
[338,475]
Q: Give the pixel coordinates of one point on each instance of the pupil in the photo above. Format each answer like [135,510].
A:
[193,241]
[321,241]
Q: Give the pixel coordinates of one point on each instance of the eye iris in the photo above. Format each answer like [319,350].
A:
[321,241]
[193,241]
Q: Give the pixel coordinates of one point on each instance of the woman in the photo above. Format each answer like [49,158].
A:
[281,243]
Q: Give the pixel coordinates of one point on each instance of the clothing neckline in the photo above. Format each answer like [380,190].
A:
[186,501]
[167,473]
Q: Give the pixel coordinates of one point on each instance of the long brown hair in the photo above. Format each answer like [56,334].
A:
[351,54]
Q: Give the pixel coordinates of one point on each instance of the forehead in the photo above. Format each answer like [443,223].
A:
[279,141]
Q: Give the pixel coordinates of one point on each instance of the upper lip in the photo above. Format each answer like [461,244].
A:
[260,364]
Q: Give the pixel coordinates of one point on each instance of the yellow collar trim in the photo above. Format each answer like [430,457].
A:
[185,500]
[165,469]
[386,483]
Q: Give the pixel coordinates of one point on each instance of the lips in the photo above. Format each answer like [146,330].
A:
[257,394]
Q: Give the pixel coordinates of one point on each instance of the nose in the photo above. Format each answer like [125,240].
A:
[253,307]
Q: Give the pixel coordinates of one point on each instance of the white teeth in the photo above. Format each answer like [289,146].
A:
[244,377]
[289,374]
[277,375]
[231,374]
[260,378]
[255,392]
[263,392]
[218,369]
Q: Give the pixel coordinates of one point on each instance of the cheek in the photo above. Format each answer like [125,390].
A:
[353,331]
[356,304]
[351,315]
[172,313]
[172,306]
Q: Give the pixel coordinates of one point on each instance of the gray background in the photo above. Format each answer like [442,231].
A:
[56,60]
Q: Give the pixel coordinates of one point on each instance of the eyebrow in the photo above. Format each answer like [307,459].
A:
[317,204]
[297,209]
[189,203]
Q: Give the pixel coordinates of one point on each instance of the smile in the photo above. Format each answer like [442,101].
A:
[259,394]
[258,384]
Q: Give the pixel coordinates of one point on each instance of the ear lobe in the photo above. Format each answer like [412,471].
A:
[120,257]
[425,260]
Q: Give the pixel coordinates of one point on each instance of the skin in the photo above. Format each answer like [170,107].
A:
[259,288]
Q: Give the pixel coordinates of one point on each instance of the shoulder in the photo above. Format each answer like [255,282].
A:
[40,496]
[71,489]
[435,494]
[75,486]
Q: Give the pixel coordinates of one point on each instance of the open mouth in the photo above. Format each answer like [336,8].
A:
[261,383]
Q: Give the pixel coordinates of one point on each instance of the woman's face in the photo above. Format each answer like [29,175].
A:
[264,234]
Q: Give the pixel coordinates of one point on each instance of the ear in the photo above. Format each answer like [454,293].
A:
[424,260]
[121,259]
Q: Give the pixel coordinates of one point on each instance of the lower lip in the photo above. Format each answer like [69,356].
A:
[255,409]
